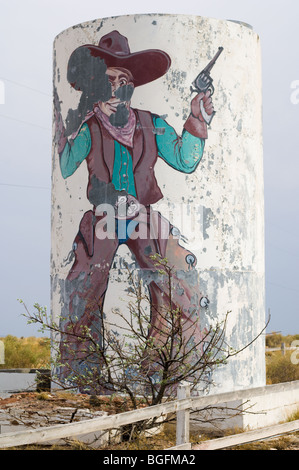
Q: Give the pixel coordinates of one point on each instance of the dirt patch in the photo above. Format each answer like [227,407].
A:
[50,401]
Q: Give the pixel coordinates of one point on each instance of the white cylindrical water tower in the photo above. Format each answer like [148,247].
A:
[161,149]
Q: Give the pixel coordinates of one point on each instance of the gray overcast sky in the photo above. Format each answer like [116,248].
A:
[27,31]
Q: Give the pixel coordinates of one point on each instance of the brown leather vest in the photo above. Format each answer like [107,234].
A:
[100,160]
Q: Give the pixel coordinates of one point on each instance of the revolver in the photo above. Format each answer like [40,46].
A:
[203,83]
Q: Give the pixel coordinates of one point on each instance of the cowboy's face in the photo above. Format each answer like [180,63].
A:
[121,90]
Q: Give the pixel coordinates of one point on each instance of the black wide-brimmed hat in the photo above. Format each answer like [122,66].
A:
[113,48]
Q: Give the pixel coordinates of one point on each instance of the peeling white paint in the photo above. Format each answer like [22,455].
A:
[227,185]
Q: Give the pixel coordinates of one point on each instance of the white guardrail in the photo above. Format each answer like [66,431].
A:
[182,407]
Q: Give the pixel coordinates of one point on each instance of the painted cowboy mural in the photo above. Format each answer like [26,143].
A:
[120,146]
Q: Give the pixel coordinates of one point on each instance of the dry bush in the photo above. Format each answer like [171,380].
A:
[26,352]
[280,368]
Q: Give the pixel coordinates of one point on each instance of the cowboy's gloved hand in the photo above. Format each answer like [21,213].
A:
[195,123]
[207,103]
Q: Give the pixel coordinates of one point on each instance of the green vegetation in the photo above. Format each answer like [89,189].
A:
[26,352]
[274,340]
[34,352]
[280,368]
[294,416]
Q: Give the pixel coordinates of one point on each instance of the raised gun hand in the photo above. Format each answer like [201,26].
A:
[203,85]
[202,107]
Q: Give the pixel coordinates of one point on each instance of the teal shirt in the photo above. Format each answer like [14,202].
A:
[182,154]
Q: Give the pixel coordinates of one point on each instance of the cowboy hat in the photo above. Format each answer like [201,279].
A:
[113,48]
